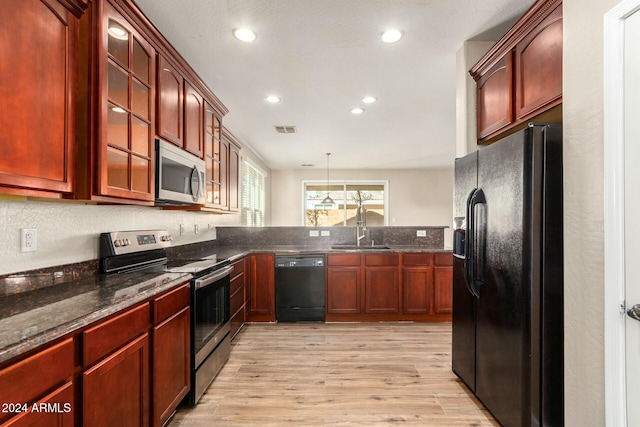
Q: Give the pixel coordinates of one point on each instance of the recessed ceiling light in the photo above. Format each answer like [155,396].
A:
[391,36]
[245,34]
[118,33]
[369,99]
[272,99]
[357,111]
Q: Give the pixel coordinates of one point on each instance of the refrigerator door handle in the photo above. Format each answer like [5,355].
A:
[477,199]
[469,257]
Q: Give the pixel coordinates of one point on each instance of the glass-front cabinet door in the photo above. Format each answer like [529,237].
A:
[126,143]
[215,158]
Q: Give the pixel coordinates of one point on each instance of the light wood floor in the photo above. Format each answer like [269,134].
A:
[338,374]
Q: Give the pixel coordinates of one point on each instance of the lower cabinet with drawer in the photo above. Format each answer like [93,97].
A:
[171,357]
[130,369]
[42,380]
[116,390]
[389,287]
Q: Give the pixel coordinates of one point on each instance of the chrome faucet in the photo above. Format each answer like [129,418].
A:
[361,223]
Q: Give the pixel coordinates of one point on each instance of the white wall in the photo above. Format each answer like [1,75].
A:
[466,130]
[416,197]
[68,232]
[583,210]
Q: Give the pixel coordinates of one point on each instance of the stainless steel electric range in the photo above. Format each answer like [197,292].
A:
[146,251]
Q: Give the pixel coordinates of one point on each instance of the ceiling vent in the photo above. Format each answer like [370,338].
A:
[286,129]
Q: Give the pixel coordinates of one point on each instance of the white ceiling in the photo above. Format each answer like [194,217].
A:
[321,57]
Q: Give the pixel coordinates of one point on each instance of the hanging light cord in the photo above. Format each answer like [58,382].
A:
[328,200]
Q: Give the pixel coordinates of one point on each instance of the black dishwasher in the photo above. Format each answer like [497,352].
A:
[300,288]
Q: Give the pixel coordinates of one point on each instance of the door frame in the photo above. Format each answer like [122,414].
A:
[614,282]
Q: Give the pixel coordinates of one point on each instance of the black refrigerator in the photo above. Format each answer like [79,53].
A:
[508,277]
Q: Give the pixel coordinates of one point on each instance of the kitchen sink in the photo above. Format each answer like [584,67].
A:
[361,248]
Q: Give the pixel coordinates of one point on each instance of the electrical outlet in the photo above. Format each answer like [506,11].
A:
[196,228]
[421,233]
[181,229]
[325,233]
[313,233]
[28,240]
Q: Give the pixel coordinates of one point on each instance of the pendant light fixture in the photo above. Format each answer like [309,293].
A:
[328,200]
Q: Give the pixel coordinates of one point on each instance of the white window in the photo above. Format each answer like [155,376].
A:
[252,196]
[347,196]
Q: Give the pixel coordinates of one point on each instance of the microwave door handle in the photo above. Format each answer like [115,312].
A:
[213,277]
[195,183]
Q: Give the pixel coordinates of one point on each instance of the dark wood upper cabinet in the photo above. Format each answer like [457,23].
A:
[116,157]
[39,49]
[234,178]
[520,78]
[213,158]
[126,147]
[170,93]
[495,97]
[222,158]
[193,120]
[538,67]
[89,87]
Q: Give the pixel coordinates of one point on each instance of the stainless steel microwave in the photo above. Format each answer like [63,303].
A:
[180,176]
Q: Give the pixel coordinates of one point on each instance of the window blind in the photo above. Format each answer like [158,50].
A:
[252,196]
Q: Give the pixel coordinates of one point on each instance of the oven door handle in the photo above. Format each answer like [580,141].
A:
[213,277]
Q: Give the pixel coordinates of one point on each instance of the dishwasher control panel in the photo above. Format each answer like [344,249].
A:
[292,262]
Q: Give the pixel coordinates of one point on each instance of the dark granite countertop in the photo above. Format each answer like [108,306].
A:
[234,254]
[31,319]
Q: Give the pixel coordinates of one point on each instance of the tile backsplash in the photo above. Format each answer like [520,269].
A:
[300,236]
[321,238]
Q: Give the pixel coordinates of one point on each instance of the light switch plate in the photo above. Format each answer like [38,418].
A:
[421,233]
[325,233]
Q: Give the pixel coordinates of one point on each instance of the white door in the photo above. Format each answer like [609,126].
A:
[622,213]
[632,213]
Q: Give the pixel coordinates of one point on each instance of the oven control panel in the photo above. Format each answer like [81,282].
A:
[127,242]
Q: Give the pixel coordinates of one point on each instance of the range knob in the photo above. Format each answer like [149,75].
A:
[121,242]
